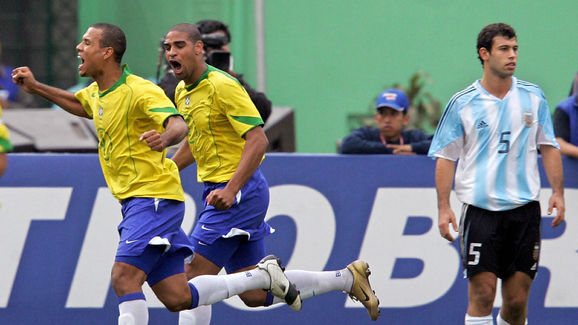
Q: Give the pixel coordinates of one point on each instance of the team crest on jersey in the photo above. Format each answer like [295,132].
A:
[187,101]
[528,119]
[100,111]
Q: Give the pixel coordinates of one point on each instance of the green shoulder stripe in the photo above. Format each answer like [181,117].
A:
[250,120]
[211,68]
[5,145]
[164,110]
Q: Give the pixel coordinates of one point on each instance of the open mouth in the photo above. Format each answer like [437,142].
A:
[176,66]
[81,62]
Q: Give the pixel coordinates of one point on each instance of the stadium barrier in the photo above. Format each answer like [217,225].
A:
[58,237]
[54,130]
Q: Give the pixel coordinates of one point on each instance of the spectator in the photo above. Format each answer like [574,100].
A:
[216,38]
[389,137]
[566,126]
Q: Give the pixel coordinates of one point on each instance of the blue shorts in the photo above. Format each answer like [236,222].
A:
[151,222]
[244,219]
[232,253]
[156,264]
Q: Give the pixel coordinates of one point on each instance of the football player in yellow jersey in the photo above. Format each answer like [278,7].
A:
[227,141]
[135,123]
[5,145]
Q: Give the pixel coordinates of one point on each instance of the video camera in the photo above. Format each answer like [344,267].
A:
[214,55]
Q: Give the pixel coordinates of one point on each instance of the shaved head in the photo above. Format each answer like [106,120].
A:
[191,30]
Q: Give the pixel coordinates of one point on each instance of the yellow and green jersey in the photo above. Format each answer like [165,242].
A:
[219,112]
[5,145]
[121,115]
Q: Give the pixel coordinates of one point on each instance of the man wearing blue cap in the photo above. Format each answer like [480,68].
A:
[389,137]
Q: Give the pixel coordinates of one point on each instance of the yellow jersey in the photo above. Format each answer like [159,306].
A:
[219,112]
[121,115]
[5,145]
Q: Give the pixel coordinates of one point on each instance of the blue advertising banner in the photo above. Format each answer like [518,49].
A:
[58,237]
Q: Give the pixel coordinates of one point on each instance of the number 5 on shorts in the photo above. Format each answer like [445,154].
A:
[476,254]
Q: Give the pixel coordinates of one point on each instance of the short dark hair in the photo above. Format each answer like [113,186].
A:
[486,36]
[112,36]
[209,26]
[191,30]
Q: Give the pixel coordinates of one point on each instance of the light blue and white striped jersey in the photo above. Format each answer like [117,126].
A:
[495,142]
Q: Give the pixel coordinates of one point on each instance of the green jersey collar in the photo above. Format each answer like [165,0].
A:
[120,81]
[204,76]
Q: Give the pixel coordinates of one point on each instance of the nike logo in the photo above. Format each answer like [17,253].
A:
[205,228]
[365,294]
[201,243]
[130,241]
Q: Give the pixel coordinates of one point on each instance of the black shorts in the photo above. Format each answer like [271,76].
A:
[501,242]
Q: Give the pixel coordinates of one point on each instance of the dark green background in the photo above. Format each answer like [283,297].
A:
[327,59]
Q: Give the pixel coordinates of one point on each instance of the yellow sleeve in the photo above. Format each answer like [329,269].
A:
[240,110]
[156,105]
[84,96]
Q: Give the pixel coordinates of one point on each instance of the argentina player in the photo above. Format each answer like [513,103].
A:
[494,129]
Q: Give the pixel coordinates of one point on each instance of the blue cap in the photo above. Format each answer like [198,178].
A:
[393,98]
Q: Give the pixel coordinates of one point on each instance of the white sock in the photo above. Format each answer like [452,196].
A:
[198,316]
[484,320]
[133,312]
[214,288]
[125,319]
[501,321]
[312,284]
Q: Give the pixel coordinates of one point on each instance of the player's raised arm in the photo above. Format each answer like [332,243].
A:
[24,77]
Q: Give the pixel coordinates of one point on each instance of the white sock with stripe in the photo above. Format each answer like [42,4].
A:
[214,288]
[483,320]
[312,284]
[133,309]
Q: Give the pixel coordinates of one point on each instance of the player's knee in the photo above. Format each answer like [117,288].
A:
[515,305]
[483,297]
[177,306]
[120,281]
[125,280]
[176,303]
